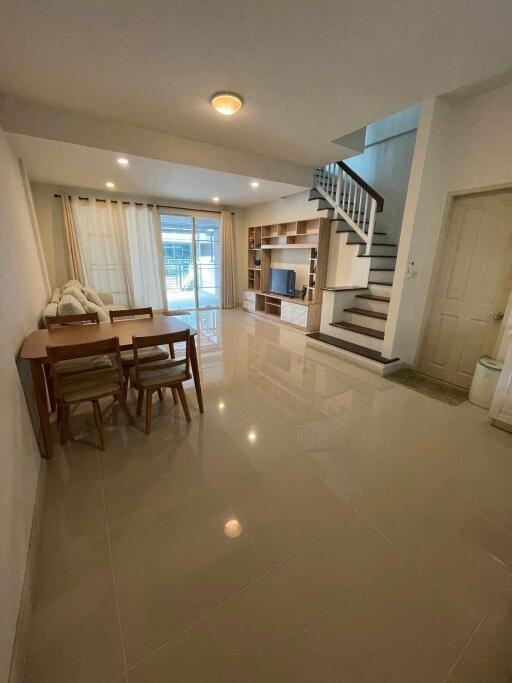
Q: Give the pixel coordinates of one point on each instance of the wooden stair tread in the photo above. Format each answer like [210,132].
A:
[376,256]
[383,270]
[373,297]
[353,348]
[367,312]
[381,284]
[368,331]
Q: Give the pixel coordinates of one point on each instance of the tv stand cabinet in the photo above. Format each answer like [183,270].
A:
[308,241]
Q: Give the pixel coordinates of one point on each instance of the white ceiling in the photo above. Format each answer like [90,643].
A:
[309,71]
[68,165]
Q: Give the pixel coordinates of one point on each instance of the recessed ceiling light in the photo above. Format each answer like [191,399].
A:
[255,183]
[122,161]
[252,436]
[110,184]
[215,199]
[226,103]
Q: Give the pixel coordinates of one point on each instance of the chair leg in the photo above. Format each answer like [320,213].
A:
[140,401]
[99,423]
[184,404]
[175,395]
[149,408]
[64,422]
[124,406]
[160,394]
[49,384]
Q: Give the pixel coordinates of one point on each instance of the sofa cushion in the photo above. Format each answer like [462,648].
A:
[91,307]
[92,296]
[68,305]
[50,311]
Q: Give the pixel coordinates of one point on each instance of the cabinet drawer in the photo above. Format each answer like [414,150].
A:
[247,295]
[294,313]
[249,305]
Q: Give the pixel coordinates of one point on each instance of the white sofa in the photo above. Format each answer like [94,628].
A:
[75,298]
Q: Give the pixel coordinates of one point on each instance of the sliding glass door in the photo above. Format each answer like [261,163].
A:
[191,252]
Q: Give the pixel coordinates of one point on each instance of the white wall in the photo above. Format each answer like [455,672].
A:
[22,296]
[463,146]
[386,165]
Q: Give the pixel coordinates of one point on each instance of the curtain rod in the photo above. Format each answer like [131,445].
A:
[158,206]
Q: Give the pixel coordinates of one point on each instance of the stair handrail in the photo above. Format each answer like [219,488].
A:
[352,199]
[368,188]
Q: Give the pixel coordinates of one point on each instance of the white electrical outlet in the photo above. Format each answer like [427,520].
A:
[411,270]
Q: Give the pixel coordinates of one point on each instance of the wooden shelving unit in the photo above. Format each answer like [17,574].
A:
[264,241]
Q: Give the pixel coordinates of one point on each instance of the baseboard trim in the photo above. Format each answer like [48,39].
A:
[19,651]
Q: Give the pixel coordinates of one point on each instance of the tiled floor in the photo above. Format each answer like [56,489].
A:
[370,537]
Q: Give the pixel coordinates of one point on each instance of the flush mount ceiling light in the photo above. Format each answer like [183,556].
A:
[110,184]
[122,161]
[215,199]
[226,103]
[255,183]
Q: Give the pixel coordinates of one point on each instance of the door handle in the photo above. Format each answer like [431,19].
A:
[498,316]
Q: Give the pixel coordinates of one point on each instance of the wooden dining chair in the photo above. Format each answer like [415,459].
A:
[73,364]
[148,355]
[147,378]
[87,385]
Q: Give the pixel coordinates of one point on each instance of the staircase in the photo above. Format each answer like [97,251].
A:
[354,318]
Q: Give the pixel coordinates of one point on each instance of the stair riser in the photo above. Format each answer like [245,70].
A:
[356,338]
[380,290]
[380,250]
[382,276]
[379,306]
[382,262]
[364,321]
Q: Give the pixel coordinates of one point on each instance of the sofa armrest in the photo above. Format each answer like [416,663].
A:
[106,298]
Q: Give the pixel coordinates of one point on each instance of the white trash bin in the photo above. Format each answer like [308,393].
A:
[485,379]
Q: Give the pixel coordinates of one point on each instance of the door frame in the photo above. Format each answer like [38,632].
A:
[438,258]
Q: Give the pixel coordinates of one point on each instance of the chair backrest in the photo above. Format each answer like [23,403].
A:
[108,347]
[130,313]
[77,319]
[159,340]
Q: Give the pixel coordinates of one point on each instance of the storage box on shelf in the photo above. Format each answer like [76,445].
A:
[266,242]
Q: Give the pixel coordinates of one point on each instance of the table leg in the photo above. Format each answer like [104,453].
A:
[195,373]
[38,379]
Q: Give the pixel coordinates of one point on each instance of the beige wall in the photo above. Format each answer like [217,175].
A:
[462,146]
[22,296]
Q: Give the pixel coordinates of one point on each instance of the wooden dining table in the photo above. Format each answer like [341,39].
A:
[34,351]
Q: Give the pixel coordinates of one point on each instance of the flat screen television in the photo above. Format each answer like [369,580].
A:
[282,281]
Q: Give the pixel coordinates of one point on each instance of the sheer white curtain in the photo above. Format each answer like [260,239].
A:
[227,260]
[75,259]
[143,256]
[99,229]
[120,251]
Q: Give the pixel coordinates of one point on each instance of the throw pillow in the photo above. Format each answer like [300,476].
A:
[75,284]
[91,295]
[55,296]
[68,305]
[91,307]
[76,293]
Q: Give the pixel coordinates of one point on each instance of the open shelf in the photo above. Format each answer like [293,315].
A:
[264,244]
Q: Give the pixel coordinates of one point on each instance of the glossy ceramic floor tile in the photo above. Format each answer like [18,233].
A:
[463,550]
[371,613]
[317,523]
[252,638]
[487,658]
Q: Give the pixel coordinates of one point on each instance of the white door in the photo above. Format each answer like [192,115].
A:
[474,284]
